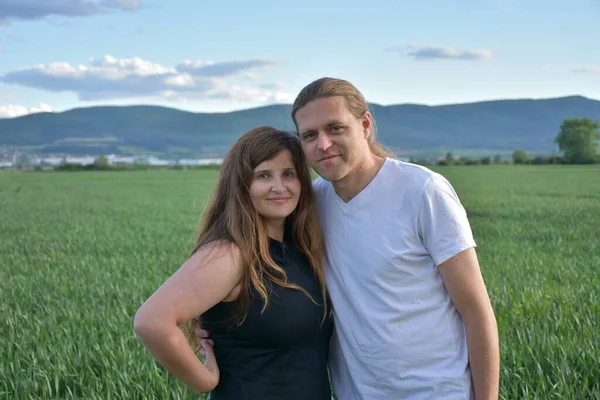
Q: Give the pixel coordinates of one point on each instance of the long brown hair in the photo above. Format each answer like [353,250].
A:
[231,217]
[355,101]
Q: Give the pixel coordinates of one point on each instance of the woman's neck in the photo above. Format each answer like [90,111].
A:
[275,229]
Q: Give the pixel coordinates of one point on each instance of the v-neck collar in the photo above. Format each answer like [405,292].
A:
[362,196]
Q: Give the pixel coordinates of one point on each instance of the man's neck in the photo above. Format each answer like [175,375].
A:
[358,179]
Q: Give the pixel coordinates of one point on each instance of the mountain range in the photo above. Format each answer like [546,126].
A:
[499,126]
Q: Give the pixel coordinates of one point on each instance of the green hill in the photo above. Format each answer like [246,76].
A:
[502,125]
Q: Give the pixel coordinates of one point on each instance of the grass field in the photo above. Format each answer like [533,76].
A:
[81,251]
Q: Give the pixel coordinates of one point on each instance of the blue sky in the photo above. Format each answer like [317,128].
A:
[228,55]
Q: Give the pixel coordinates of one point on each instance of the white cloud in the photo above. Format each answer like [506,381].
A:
[127,5]
[37,9]
[210,69]
[16,110]
[136,78]
[436,53]
[183,80]
[592,69]
[252,94]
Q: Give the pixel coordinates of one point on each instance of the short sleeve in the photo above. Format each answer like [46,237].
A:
[443,223]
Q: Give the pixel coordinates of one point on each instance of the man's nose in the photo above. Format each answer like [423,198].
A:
[323,142]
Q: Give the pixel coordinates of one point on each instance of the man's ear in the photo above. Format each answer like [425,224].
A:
[367,124]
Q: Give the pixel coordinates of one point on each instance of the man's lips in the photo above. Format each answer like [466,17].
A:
[326,158]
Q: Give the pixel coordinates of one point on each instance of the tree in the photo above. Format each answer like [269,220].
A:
[449,158]
[486,161]
[101,162]
[468,161]
[578,140]
[520,157]
[497,159]
[539,160]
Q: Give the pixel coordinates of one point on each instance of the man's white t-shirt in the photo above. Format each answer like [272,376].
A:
[397,333]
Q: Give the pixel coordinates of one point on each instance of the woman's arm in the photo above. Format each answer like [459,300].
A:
[204,280]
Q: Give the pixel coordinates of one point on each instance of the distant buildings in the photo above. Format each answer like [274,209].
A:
[22,160]
[56,161]
[202,161]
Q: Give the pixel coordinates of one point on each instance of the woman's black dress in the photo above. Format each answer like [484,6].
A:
[281,354]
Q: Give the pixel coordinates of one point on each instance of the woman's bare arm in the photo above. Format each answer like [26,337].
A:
[207,278]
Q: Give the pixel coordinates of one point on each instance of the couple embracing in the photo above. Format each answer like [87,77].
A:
[365,279]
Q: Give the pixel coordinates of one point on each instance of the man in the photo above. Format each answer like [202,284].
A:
[413,319]
[412,314]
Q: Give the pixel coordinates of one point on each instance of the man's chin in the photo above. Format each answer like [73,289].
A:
[331,176]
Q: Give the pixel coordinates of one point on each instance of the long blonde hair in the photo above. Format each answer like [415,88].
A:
[355,101]
[231,217]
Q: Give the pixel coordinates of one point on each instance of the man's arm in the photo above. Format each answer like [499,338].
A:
[462,276]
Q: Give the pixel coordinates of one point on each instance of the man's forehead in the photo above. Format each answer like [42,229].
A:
[321,113]
[324,103]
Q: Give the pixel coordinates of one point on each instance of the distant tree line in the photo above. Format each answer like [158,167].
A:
[577,141]
[522,157]
[451,159]
[101,163]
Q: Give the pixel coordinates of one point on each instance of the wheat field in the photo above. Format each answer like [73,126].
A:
[81,251]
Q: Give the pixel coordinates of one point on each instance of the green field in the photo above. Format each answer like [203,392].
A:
[80,252]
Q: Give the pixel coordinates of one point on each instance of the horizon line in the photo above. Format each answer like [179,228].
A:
[371,103]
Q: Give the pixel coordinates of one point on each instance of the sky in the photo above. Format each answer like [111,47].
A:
[220,56]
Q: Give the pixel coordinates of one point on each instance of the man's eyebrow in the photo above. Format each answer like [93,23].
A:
[329,123]
[304,132]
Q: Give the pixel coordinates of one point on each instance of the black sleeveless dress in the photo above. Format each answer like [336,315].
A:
[281,354]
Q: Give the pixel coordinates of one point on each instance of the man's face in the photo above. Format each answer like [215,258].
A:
[333,140]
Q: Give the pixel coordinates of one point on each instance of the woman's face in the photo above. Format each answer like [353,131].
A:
[275,188]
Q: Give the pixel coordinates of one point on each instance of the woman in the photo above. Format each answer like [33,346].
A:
[255,278]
